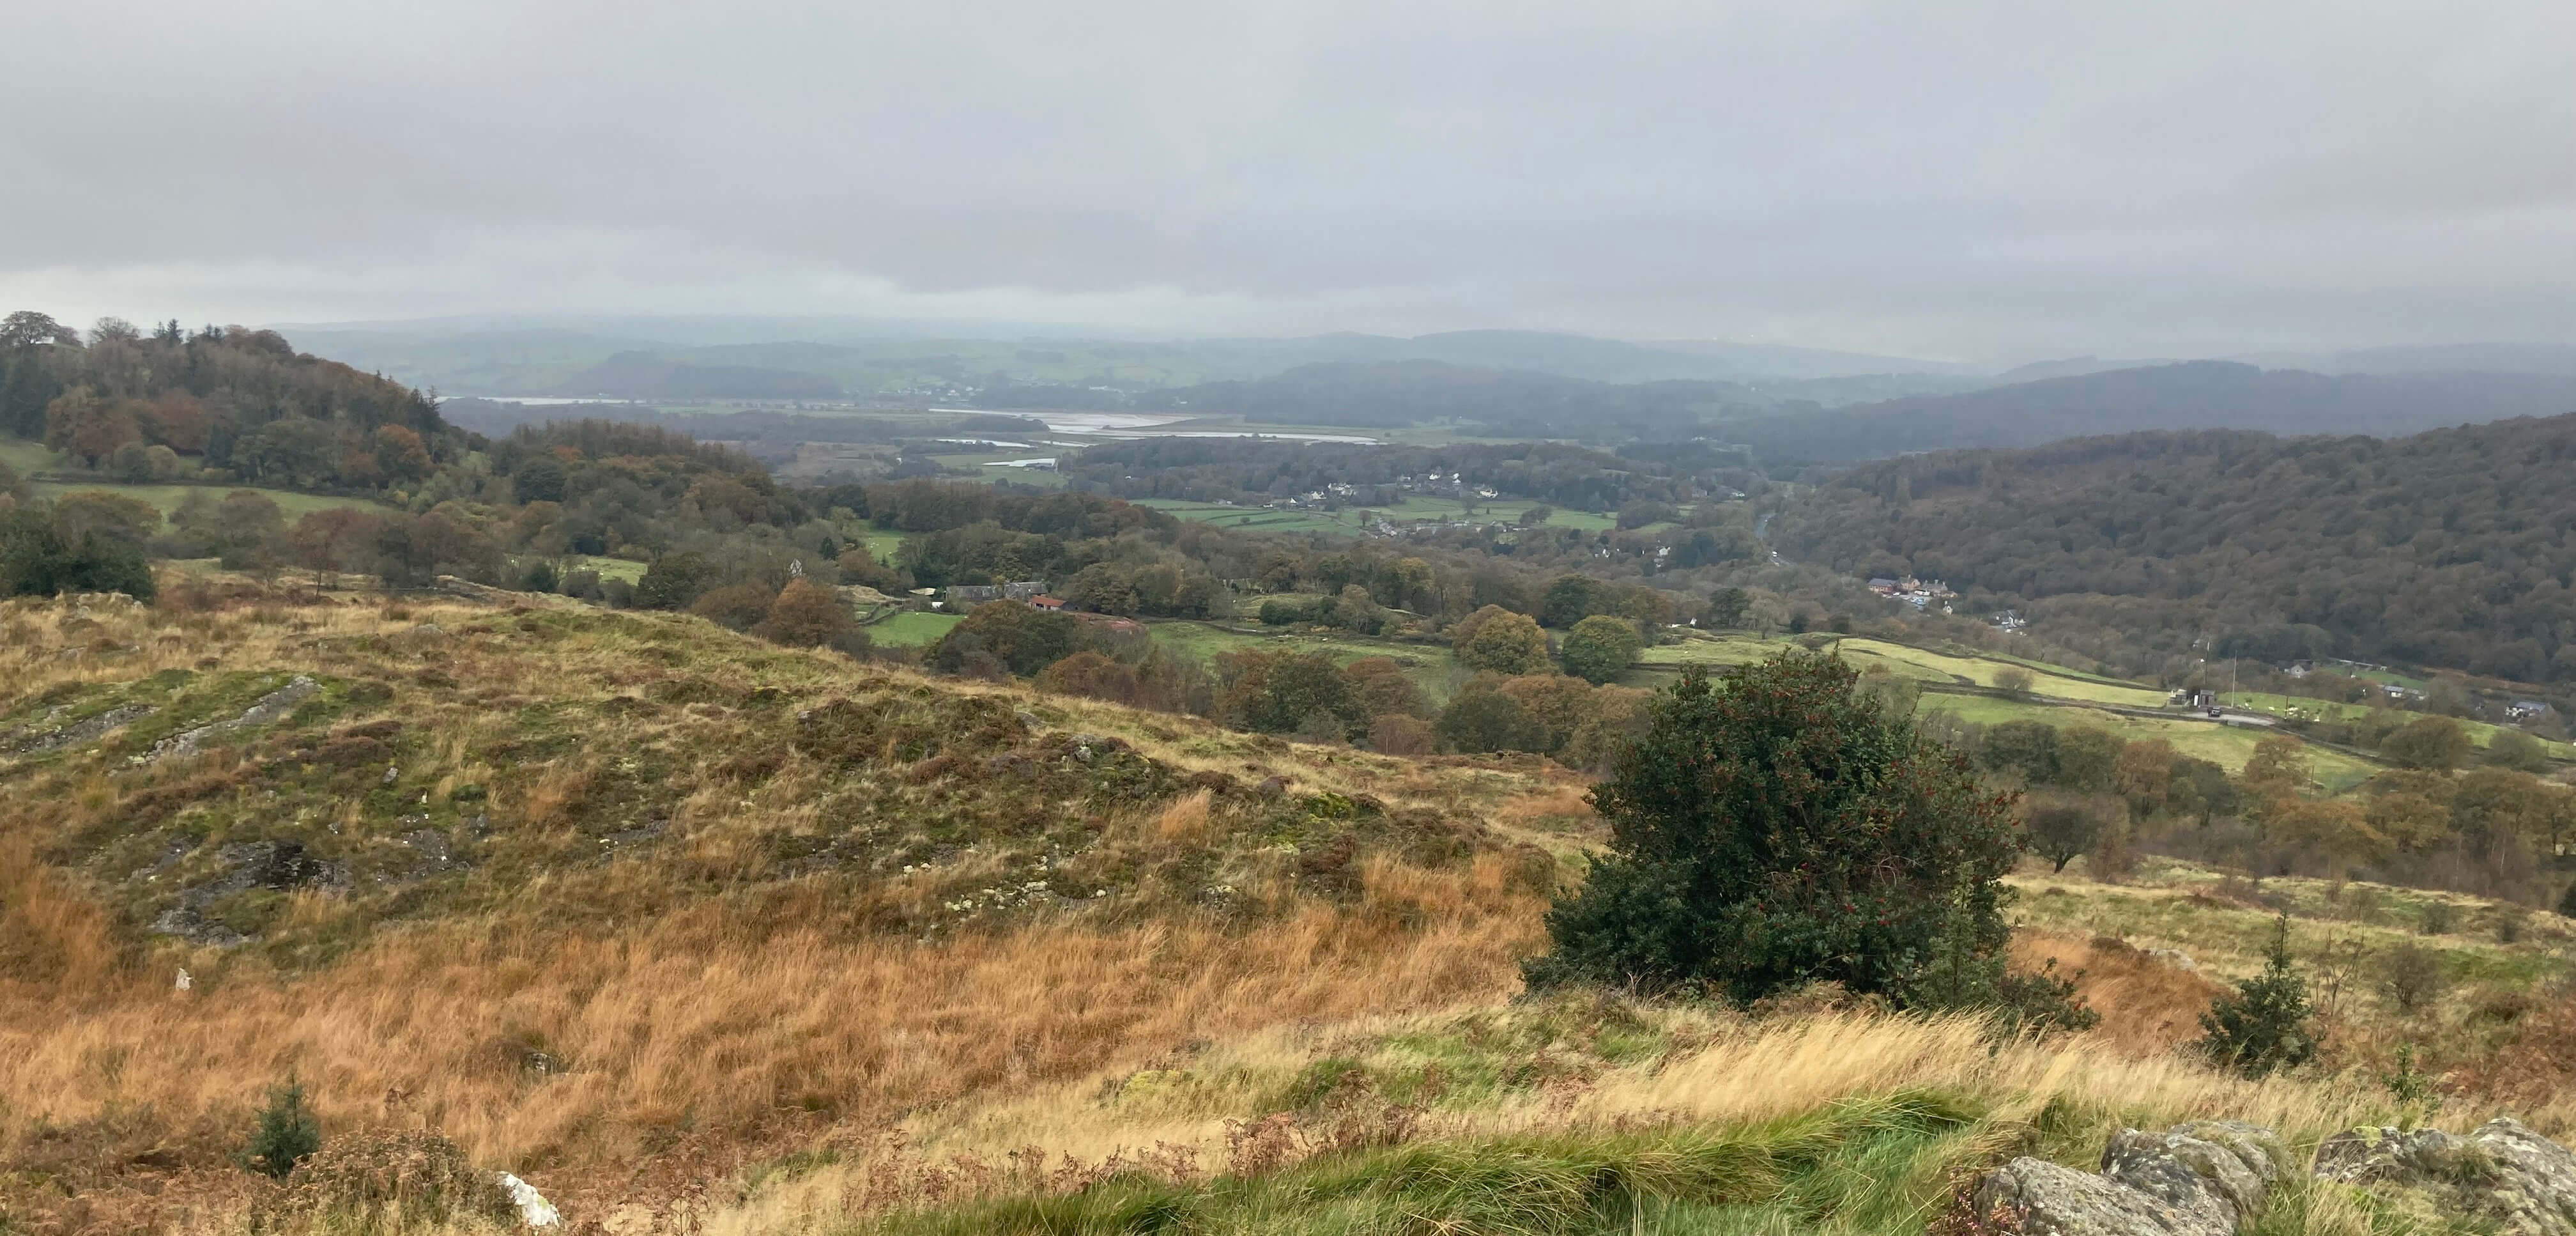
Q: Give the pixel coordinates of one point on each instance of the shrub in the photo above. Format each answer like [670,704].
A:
[737,607]
[2517,750]
[1010,635]
[1283,693]
[1494,638]
[286,1134]
[1960,976]
[2263,1028]
[2440,918]
[36,558]
[808,615]
[388,1180]
[1780,831]
[1483,718]
[2013,681]
[2410,975]
[1398,733]
[1600,647]
[2428,742]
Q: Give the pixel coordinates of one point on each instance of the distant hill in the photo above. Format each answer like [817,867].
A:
[641,375]
[1395,393]
[2553,358]
[2192,395]
[2070,367]
[1780,361]
[2446,548]
[500,358]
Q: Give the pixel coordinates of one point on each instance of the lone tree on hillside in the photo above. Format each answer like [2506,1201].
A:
[2060,829]
[2263,1029]
[1777,827]
[1599,647]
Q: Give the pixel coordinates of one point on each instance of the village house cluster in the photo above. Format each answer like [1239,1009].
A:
[1915,592]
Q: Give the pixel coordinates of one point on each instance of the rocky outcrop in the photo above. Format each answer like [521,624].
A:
[278,866]
[2197,1179]
[31,740]
[2502,1172]
[268,708]
[2208,1177]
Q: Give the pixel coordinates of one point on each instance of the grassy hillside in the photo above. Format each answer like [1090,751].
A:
[701,934]
[29,458]
[668,883]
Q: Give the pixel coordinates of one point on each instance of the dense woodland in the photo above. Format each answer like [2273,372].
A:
[2450,548]
[216,404]
[2194,395]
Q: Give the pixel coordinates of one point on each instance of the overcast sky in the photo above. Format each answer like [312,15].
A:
[1965,179]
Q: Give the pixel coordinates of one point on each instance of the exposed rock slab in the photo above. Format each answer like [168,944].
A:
[2502,1171]
[2197,1179]
[24,742]
[265,710]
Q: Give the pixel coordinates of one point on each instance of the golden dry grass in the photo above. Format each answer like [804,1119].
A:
[704,1012]
[682,1026]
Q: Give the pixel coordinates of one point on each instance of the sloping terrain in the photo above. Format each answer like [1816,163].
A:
[587,889]
[700,934]
[2447,548]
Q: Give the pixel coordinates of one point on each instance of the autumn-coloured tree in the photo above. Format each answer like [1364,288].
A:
[178,420]
[401,454]
[88,428]
[806,614]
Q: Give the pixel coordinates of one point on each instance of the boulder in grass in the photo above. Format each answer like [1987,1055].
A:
[2198,1179]
[2502,1172]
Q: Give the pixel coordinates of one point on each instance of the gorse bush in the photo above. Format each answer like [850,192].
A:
[287,1133]
[2263,1028]
[1777,829]
[2411,976]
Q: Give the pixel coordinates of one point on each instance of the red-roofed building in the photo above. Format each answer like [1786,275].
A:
[1047,602]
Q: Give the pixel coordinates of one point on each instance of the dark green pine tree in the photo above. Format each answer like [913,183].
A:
[2263,1028]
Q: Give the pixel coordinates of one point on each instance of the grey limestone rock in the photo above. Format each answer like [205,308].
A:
[2197,1179]
[267,709]
[2502,1171]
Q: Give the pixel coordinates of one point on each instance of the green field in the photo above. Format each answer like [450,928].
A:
[24,457]
[608,568]
[2059,700]
[168,497]
[1919,664]
[2226,745]
[1349,520]
[881,545]
[912,627]
[989,465]
[2479,732]
[1429,665]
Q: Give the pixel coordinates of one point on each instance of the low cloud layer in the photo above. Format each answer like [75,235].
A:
[1974,179]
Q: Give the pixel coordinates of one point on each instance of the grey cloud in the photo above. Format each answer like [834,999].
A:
[1969,179]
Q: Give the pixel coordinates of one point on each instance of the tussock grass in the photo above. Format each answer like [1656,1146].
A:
[758,941]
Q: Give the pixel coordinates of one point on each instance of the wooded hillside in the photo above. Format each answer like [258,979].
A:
[2449,548]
